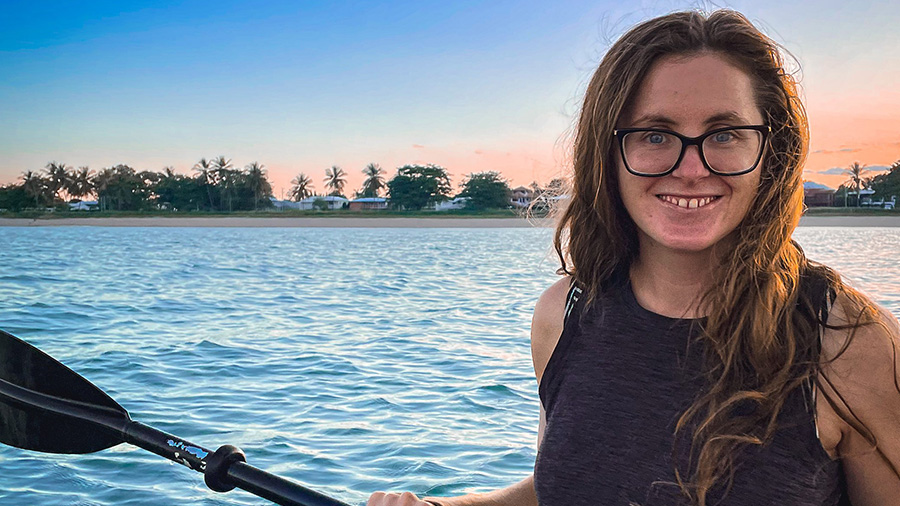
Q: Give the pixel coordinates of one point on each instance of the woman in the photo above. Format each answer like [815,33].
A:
[692,354]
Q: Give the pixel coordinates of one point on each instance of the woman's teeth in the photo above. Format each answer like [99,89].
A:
[687,203]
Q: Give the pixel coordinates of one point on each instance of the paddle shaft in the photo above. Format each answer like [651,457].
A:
[233,471]
[239,474]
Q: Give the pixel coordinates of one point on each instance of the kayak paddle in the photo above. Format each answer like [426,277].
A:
[47,407]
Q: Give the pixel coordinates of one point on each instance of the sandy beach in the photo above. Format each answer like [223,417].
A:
[376,222]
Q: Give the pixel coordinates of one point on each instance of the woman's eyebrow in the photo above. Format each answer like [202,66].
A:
[654,118]
[660,119]
[728,117]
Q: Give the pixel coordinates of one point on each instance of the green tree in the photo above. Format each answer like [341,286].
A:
[857,178]
[301,187]
[485,190]
[179,192]
[13,197]
[887,185]
[417,186]
[122,188]
[336,179]
[374,182]
[35,187]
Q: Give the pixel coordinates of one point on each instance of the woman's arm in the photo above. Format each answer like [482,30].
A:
[862,385]
[546,327]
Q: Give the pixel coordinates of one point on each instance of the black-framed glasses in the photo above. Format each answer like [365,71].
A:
[728,151]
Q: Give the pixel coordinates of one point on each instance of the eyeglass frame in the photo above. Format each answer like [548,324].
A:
[686,141]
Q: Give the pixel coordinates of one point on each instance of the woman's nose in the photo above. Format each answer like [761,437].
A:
[691,164]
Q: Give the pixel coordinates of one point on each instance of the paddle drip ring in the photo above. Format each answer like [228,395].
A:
[216,474]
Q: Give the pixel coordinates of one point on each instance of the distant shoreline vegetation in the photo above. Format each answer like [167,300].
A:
[217,187]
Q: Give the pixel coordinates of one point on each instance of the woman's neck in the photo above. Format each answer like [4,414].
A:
[671,283]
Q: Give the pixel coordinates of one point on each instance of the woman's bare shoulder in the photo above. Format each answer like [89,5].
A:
[858,331]
[547,323]
[860,376]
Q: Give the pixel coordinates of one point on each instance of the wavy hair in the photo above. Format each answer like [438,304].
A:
[761,335]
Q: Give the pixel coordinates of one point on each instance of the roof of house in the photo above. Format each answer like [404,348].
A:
[326,198]
[370,199]
[812,185]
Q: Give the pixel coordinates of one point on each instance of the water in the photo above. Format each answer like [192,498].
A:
[350,360]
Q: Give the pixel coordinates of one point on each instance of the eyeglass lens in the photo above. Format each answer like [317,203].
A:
[726,151]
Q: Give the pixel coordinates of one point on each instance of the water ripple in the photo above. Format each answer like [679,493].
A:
[350,360]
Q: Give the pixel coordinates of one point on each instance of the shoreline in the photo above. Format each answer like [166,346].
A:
[375,222]
[276,222]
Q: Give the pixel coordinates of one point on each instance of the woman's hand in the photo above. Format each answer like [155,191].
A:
[404,499]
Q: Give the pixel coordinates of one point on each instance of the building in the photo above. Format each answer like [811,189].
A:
[327,202]
[283,204]
[84,205]
[521,197]
[447,205]
[369,204]
[817,195]
[309,203]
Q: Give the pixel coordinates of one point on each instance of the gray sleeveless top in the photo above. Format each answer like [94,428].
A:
[614,387]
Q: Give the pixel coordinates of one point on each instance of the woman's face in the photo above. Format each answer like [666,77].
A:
[691,209]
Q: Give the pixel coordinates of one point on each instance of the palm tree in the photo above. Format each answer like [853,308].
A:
[256,178]
[34,185]
[224,178]
[301,187]
[336,179]
[856,172]
[57,178]
[79,184]
[374,182]
[101,182]
[204,173]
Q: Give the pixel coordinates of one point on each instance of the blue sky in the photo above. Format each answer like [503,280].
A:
[301,86]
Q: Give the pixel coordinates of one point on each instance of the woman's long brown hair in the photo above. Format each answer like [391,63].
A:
[761,335]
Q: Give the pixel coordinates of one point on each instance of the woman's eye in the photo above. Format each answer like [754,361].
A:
[656,138]
[724,136]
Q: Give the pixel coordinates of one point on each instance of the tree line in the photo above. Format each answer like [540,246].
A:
[884,185]
[217,186]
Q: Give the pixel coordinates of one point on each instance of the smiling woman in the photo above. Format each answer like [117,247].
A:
[692,354]
[690,207]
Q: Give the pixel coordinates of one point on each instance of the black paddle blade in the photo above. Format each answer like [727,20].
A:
[28,424]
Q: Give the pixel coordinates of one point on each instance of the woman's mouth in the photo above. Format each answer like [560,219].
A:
[688,202]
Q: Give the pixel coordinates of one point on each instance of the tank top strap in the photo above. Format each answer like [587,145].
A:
[571,323]
[572,301]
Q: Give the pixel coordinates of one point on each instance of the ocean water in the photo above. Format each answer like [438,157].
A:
[349,360]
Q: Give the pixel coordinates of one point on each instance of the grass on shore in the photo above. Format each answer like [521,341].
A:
[270,213]
[851,211]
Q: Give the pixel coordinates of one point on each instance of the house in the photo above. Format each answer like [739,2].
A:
[84,205]
[521,197]
[329,202]
[283,204]
[817,195]
[369,204]
[447,205]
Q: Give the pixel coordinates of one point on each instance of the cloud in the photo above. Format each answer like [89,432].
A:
[834,171]
[832,151]
[418,146]
[479,152]
[840,171]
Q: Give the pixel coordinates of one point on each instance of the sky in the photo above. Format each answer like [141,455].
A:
[300,86]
